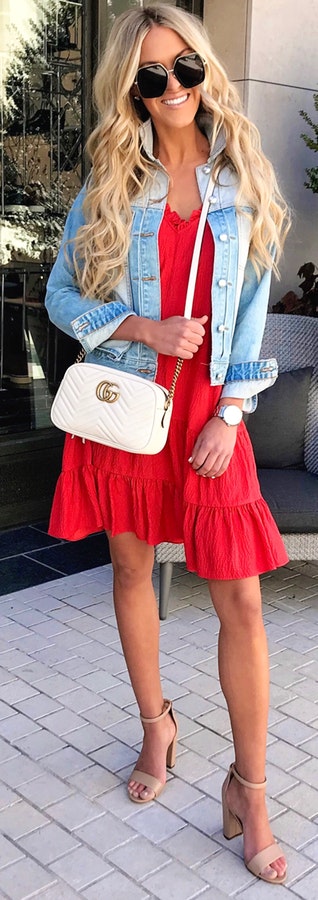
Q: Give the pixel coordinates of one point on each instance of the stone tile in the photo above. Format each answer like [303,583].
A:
[80,867]
[44,790]
[38,706]
[194,706]
[74,667]
[212,784]
[301,709]
[105,714]
[13,659]
[311,746]
[191,766]
[99,681]
[56,685]
[190,847]
[25,879]
[200,684]
[6,751]
[62,721]
[106,833]
[34,671]
[66,762]
[48,843]
[129,731]
[20,819]
[94,782]
[205,815]
[303,799]
[294,732]
[74,811]
[311,851]
[139,858]
[278,780]
[18,770]
[7,797]
[115,756]
[179,794]
[9,853]
[186,884]
[6,711]
[217,720]
[17,726]
[16,691]
[81,699]
[307,771]
[295,829]
[155,822]
[286,757]
[307,886]
[39,744]
[226,872]
[88,738]
[116,885]
[59,891]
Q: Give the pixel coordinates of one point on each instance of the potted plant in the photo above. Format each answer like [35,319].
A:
[307,304]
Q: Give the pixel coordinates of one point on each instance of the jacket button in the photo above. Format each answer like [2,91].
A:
[213,199]
[207,170]
[223,237]
[222,328]
[219,376]
[222,282]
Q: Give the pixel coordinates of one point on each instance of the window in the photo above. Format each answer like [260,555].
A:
[41,165]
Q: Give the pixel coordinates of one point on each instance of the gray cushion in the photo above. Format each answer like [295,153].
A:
[292,496]
[277,427]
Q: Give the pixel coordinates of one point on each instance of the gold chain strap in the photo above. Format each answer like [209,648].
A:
[81,355]
[170,394]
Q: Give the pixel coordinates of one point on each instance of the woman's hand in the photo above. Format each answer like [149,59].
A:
[213,448]
[176,336]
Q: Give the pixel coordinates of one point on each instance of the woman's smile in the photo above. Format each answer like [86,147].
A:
[175,101]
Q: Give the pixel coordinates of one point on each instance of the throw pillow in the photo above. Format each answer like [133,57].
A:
[277,427]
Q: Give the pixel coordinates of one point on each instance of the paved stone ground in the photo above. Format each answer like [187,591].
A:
[70,734]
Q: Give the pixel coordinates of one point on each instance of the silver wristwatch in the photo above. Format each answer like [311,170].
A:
[231,414]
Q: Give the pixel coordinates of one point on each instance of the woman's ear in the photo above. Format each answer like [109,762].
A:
[139,105]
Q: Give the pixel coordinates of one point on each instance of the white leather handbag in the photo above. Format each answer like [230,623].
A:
[112,407]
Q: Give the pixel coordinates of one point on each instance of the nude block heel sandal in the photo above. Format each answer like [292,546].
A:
[154,784]
[232,826]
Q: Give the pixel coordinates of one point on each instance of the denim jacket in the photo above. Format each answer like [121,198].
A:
[239,305]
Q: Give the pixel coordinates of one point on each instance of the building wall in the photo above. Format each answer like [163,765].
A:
[270,49]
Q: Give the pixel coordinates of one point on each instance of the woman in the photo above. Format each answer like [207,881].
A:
[167,117]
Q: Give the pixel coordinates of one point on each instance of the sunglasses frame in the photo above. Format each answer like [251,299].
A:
[168,72]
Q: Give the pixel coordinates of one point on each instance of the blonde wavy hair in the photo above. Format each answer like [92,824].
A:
[120,170]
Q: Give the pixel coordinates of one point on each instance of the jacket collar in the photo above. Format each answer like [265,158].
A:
[204,120]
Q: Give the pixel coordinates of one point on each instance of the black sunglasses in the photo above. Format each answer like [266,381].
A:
[152,80]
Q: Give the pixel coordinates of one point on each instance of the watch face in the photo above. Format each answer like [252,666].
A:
[232,415]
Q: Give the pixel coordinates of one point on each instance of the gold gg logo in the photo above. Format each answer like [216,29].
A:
[105,391]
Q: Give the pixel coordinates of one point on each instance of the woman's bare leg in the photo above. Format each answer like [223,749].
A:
[138,624]
[244,677]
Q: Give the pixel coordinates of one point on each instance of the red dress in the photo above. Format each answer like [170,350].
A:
[225,525]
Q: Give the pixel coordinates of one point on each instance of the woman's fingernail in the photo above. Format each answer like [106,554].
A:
[190,459]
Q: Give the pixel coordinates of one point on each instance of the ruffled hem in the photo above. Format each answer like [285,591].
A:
[248,541]
[238,541]
[114,503]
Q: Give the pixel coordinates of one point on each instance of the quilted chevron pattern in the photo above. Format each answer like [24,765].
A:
[131,422]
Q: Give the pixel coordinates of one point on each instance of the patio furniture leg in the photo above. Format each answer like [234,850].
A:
[165,575]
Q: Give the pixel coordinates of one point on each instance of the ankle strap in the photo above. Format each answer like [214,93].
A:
[165,710]
[249,784]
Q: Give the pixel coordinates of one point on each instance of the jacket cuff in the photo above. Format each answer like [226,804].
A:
[92,336]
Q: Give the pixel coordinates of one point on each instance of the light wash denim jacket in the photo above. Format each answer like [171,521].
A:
[239,304]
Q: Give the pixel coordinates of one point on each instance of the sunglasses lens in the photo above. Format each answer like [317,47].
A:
[189,70]
[152,81]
